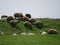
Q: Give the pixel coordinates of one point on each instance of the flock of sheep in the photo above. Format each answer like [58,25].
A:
[28,22]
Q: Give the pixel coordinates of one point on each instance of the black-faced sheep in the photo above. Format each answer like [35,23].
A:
[28,15]
[18,15]
[25,18]
[39,24]
[52,31]
[28,25]
[32,20]
[9,18]
[4,17]
[14,22]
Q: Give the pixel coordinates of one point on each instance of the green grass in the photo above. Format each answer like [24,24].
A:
[30,40]
[38,39]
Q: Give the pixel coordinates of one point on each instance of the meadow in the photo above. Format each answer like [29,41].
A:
[38,39]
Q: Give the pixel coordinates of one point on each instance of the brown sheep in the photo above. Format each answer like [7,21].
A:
[28,25]
[39,24]
[10,18]
[32,20]
[14,22]
[4,17]
[28,15]
[52,31]
[25,18]
[18,15]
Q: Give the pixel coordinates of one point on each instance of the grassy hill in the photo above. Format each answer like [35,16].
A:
[38,39]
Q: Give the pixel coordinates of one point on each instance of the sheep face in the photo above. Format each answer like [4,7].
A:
[28,15]
[18,15]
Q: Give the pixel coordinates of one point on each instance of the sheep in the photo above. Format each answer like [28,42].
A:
[23,33]
[14,22]
[32,20]
[43,32]
[31,34]
[52,31]
[25,18]
[18,15]
[4,17]
[28,15]
[28,25]
[39,24]
[14,34]
[1,33]
[9,18]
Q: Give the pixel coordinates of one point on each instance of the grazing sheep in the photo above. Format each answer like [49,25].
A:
[4,17]
[10,18]
[32,20]
[39,24]
[28,15]
[14,22]
[52,31]
[31,34]
[18,15]
[14,34]
[28,25]
[23,33]
[25,18]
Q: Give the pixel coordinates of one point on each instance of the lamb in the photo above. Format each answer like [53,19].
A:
[4,17]
[52,31]
[43,32]
[28,15]
[39,24]
[14,34]
[18,15]
[1,33]
[31,34]
[9,18]
[28,25]
[23,33]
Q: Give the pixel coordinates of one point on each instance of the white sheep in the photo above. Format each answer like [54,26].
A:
[14,34]
[23,33]
[31,34]
[43,32]
[2,33]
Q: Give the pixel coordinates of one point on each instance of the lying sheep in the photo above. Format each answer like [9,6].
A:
[14,22]
[28,15]
[39,24]
[4,17]
[28,25]
[32,20]
[52,31]
[43,32]
[14,34]
[23,33]
[1,33]
[9,18]
[31,34]
[18,15]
